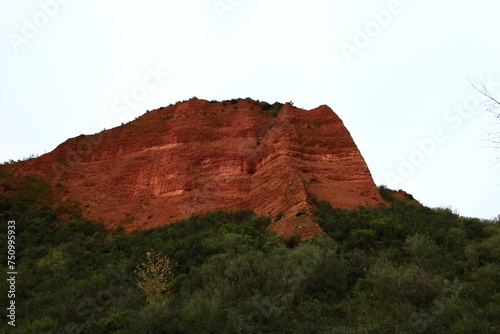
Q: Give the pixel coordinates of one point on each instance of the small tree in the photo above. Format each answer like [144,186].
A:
[154,275]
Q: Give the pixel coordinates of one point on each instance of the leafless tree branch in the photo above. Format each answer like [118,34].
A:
[492,107]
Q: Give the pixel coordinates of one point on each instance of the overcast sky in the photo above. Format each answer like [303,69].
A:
[396,72]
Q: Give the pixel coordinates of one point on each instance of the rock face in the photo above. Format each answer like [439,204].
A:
[198,156]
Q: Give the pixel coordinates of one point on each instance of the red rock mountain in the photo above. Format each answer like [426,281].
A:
[196,156]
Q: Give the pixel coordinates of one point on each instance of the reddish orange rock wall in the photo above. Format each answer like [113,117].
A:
[197,156]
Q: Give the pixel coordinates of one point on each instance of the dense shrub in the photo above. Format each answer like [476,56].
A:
[274,108]
[393,269]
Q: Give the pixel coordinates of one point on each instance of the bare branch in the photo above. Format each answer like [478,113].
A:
[484,91]
[492,106]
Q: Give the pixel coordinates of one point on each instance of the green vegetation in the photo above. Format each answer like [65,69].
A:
[29,157]
[273,108]
[402,268]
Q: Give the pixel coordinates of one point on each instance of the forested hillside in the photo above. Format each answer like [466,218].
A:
[400,268]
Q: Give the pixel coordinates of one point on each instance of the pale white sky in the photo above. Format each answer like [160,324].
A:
[396,72]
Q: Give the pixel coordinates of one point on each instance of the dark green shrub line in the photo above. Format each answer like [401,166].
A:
[402,268]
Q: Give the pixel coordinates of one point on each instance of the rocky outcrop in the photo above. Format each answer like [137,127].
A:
[197,156]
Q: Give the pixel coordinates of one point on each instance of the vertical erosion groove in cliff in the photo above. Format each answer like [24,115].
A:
[197,156]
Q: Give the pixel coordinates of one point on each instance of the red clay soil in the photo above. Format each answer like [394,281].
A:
[197,156]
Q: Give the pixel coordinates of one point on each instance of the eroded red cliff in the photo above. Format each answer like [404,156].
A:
[197,156]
